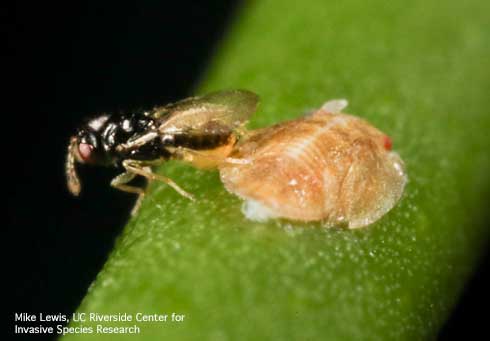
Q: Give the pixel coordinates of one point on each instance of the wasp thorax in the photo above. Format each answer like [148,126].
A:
[328,166]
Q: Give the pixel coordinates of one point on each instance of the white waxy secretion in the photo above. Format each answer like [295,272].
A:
[327,166]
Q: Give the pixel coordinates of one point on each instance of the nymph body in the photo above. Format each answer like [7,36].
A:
[327,166]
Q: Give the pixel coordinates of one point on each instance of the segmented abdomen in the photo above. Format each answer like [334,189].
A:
[330,167]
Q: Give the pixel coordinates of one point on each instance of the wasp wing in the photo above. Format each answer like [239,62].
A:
[214,113]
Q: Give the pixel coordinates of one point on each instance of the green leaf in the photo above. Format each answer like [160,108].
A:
[419,71]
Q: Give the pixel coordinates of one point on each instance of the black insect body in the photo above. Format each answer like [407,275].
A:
[200,130]
[98,140]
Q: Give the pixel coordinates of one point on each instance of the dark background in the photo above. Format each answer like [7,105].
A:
[65,62]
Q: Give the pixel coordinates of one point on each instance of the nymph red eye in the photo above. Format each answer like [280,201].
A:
[388,143]
[85,151]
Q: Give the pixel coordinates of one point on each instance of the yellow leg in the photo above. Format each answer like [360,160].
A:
[135,167]
[119,182]
[206,158]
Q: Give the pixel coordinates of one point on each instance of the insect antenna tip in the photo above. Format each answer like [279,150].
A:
[72,180]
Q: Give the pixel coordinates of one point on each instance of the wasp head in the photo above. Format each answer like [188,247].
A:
[86,148]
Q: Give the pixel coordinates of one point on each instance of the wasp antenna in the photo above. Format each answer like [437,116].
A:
[72,179]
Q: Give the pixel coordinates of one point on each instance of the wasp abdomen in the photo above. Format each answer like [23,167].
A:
[330,167]
[198,141]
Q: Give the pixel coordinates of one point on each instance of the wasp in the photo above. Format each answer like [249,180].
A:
[199,130]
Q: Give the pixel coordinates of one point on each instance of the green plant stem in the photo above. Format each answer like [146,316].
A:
[420,72]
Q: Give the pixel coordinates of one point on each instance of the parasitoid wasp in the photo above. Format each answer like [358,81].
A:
[199,130]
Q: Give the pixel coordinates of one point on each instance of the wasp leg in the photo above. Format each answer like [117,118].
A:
[120,181]
[242,132]
[136,167]
[140,141]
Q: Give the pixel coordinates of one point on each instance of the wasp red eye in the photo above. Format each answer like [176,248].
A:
[85,151]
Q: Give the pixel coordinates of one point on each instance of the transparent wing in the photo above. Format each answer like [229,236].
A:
[210,114]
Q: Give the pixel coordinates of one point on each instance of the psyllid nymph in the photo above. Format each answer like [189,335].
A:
[326,166]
